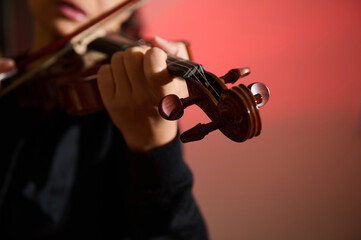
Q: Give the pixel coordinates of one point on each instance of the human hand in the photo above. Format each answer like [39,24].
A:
[6,65]
[131,87]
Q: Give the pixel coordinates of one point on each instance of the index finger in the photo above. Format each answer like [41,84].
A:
[155,67]
[178,49]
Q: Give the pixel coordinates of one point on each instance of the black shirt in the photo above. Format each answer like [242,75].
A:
[73,176]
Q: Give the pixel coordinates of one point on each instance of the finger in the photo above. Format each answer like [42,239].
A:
[155,67]
[133,62]
[178,49]
[121,80]
[6,64]
[106,83]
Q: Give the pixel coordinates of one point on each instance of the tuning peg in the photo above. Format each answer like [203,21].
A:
[234,74]
[260,92]
[171,107]
[199,131]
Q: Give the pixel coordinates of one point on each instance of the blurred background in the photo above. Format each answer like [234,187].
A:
[301,178]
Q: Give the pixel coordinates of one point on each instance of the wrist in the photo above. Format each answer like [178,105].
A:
[144,139]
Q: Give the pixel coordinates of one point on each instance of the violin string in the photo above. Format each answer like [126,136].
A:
[194,67]
[200,70]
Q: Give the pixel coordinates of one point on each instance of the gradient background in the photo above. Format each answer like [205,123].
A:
[301,178]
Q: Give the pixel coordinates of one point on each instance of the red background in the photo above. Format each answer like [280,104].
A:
[301,178]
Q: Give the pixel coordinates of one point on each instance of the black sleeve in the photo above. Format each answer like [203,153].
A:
[161,205]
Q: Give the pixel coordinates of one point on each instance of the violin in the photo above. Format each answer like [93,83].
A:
[234,111]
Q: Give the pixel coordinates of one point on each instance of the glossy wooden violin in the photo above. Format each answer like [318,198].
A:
[234,111]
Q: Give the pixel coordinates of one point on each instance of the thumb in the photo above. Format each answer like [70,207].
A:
[178,49]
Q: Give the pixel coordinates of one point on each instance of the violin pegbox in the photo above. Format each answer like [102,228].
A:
[233,111]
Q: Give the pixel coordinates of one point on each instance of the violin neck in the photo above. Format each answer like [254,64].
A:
[113,43]
[176,66]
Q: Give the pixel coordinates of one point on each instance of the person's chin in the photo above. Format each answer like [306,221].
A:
[65,27]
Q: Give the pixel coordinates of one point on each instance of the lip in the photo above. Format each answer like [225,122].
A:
[71,11]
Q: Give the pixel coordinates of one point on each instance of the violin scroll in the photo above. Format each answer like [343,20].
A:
[234,111]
